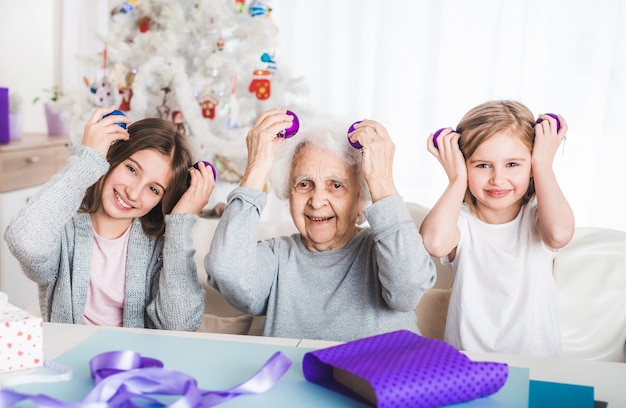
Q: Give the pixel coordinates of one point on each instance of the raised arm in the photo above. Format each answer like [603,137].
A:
[439,229]
[377,164]
[555,216]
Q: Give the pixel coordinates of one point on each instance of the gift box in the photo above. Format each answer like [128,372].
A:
[403,369]
[21,338]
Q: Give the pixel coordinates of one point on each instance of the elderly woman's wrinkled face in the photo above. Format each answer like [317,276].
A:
[324,199]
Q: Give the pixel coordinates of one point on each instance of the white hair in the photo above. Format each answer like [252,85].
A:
[325,133]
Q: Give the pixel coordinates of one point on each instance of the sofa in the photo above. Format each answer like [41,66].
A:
[590,275]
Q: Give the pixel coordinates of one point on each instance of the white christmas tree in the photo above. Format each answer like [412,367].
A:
[209,66]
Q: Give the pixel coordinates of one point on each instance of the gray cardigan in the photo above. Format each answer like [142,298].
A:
[370,286]
[53,243]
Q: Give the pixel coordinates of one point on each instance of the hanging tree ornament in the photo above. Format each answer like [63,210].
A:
[144,24]
[269,60]
[103,89]
[208,105]
[241,5]
[258,9]
[260,84]
[126,90]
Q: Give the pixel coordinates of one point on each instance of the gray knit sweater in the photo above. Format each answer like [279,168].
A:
[370,286]
[53,243]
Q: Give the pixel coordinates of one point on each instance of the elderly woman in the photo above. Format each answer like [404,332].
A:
[334,280]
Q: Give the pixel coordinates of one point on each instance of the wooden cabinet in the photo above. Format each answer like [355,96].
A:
[25,165]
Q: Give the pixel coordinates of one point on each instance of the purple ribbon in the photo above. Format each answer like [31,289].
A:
[122,378]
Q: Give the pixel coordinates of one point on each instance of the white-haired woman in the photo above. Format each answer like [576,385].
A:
[334,280]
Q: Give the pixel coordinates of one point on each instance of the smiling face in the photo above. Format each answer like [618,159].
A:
[324,199]
[134,187]
[499,174]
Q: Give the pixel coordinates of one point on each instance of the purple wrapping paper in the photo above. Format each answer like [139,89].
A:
[405,369]
[5,135]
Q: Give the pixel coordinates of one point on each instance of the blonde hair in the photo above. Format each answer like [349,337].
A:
[488,119]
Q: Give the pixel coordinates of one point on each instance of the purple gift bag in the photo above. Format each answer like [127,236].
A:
[403,369]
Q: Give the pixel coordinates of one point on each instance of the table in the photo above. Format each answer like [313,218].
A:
[607,378]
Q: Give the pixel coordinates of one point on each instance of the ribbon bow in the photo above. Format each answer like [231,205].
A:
[123,378]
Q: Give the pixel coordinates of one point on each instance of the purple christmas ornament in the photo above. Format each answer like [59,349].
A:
[207,164]
[356,145]
[293,129]
[555,116]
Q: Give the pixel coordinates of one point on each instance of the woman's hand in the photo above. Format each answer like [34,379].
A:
[378,150]
[100,133]
[199,191]
[262,142]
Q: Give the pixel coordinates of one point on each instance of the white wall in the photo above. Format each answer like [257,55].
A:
[27,55]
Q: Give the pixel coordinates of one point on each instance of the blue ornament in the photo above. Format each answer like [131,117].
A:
[258,9]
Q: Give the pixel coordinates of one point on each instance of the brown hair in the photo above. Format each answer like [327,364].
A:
[489,118]
[161,136]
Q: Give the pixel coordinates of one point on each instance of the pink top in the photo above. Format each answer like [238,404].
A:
[105,296]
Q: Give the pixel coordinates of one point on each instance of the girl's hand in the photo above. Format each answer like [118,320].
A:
[100,133]
[199,191]
[377,163]
[262,143]
[547,139]
[449,154]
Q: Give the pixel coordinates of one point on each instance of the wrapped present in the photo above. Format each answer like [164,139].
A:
[403,369]
[21,338]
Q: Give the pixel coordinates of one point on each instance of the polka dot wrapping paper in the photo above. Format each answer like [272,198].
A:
[403,369]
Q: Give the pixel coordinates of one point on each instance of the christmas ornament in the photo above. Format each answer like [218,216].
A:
[258,9]
[208,105]
[144,24]
[207,164]
[293,129]
[436,135]
[356,145]
[260,84]
[104,93]
[555,116]
[127,7]
[117,112]
[220,43]
[126,90]
[241,5]
[103,90]
[271,64]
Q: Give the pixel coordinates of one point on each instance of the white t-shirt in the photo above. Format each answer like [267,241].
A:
[504,295]
[105,295]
